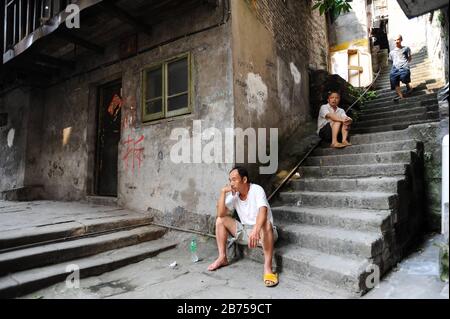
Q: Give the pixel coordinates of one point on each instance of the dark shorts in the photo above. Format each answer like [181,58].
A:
[326,134]
[398,75]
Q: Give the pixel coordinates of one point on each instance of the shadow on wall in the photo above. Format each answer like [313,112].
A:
[320,83]
[346,28]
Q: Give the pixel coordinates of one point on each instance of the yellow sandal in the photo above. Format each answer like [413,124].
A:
[270,280]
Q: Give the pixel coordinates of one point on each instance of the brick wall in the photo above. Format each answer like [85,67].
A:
[295,28]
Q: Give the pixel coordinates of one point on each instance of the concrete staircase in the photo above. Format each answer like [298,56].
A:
[353,212]
[41,256]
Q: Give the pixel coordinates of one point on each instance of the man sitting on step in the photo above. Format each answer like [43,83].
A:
[257,227]
[400,57]
[333,122]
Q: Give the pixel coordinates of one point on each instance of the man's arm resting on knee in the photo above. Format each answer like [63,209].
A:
[334,117]
[261,219]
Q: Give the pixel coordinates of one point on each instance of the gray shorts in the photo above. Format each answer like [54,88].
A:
[243,232]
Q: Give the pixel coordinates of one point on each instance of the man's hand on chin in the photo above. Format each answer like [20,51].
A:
[227,189]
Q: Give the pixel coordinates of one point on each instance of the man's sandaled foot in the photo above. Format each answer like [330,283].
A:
[218,264]
[346,143]
[270,280]
[337,145]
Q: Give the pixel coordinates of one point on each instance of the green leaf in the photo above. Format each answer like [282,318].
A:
[322,10]
[316,6]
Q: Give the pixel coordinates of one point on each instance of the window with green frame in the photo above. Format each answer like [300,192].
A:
[166,89]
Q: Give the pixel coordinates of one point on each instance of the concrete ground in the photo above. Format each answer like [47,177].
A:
[30,217]
[154,278]
[416,277]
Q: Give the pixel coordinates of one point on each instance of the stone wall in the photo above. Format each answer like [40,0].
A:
[273,47]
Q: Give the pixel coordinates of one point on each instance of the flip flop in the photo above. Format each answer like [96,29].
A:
[338,145]
[270,280]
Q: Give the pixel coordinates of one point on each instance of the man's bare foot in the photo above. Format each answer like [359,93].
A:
[220,262]
[337,145]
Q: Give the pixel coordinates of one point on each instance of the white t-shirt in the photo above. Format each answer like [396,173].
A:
[324,110]
[248,209]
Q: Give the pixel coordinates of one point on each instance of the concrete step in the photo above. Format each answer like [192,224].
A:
[355,159]
[402,145]
[38,256]
[36,235]
[365,110]
[342,272]
[102,200]
[415,81]
[353,171]
[27,281]
[365,184]
[364,200]
[423,70]
[335,241]
[409,100]
[349,219]
[381,137]
[416,85]
[416,78]
[416,95]
[421,110]
[420,89]
[390,127]
[413,117]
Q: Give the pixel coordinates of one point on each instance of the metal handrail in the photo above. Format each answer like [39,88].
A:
[292,172]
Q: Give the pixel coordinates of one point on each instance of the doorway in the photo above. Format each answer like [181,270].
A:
[108,137]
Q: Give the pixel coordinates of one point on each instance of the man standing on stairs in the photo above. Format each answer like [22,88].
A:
[333,122]
[256,227]
[400,57]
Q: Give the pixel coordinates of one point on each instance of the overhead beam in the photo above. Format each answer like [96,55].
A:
[126,17]
[57,62]
[70,37]
[153,5]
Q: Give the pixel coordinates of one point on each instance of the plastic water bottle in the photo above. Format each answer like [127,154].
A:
[193,249]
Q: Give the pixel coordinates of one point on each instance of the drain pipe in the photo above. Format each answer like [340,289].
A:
[184,230]
[445,182]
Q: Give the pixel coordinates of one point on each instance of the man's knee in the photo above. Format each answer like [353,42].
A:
[220,221]
[336,124]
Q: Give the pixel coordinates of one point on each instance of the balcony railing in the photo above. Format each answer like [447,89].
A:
[26,21]
[22,17]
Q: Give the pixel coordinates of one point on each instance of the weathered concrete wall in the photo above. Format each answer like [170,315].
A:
[350,31]
[62,164]
[272,49]
[412,30]
[181,194]
[20,142]
[179,189]
[13,138]
[437,43]
[431,135]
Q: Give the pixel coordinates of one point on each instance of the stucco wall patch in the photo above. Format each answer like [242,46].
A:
[256,93]
[10,138]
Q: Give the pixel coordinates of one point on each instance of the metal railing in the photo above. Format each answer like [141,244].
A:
[294,170]
[22,17]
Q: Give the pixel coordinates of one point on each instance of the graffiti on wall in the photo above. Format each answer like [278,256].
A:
[129,110]
[134,152]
